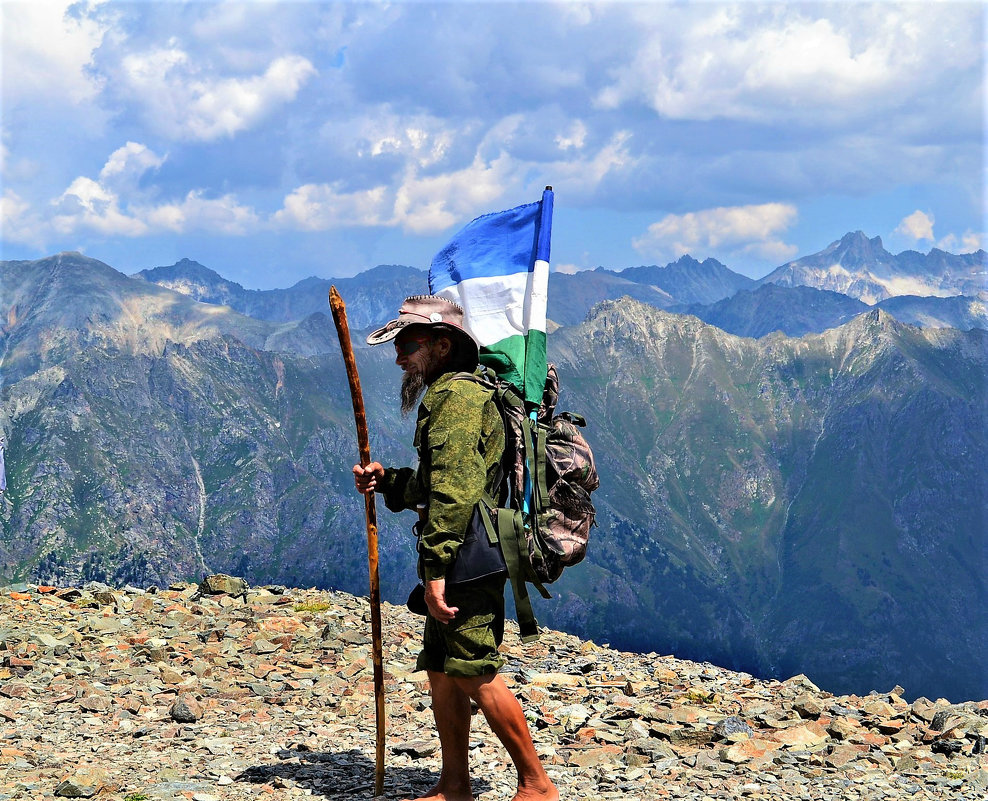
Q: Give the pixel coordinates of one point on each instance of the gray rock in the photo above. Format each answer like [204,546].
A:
[221,583]
[85,782]
[44,640]
[732,725]
[651,747]
[416,748]
[808,706]
[185,709]
[634,730]
[978,780]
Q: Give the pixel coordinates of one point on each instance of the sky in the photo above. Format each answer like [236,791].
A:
[272,141]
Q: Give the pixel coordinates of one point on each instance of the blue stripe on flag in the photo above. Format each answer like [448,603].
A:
[545,228]
[502,243]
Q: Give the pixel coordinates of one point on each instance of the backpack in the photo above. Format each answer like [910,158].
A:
[546,529]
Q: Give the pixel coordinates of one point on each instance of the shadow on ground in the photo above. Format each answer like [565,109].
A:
[344,775]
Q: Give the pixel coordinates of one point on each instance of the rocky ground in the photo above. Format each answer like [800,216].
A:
[208,694]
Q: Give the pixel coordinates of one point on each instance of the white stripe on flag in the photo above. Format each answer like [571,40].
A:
[539,294]
[500,306]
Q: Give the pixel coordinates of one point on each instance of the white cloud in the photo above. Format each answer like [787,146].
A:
[582,176]
[388,115]
[183,103]
[223,215]
[114,206]
[430,204]
[18,223]
[420,204]
[96,204]
[969,242]
[772,251]
[734,230]
[320,207]
[424,201]
[46,50]
[972,241]
[421,138]
[574,138]
[916,226]
[127,164]
[779,62]
[88,204]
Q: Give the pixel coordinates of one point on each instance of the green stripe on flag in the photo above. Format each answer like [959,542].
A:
[520,360]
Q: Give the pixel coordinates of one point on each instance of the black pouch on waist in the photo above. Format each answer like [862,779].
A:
[479,556]
[416,601]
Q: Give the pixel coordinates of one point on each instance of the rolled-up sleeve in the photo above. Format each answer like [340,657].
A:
[400,489]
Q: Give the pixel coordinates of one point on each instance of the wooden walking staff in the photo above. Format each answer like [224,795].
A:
[370,510]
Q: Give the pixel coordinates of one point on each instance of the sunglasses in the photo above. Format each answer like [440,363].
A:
[408,347]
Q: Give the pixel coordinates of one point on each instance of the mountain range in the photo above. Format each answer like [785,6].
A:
[780,504]
[945,290]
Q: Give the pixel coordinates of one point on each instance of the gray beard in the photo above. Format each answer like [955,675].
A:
[412,388]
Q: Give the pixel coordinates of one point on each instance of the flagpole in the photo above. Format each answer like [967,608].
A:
[370,513]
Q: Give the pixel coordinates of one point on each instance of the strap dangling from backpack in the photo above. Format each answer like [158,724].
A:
[511,533]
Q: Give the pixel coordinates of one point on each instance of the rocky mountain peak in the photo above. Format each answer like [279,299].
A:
[687,280]
[861,268]
[686,260]
[860,240]
[194,280]
[855,250]
[195,269]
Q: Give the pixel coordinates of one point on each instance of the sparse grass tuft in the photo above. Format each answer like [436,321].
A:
[698,697]
[312,606]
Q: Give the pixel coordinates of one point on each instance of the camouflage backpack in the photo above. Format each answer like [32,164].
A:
[544,523]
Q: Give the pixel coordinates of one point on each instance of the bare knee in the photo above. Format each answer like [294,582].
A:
[478,687]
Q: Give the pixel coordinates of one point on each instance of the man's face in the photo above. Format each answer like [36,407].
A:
[413,351]
[416,354]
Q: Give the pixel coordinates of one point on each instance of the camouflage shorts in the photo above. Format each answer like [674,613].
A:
[467,646]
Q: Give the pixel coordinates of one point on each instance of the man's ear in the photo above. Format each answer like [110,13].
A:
[444,346]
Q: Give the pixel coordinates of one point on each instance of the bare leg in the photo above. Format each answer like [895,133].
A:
[507,721]
[451,709]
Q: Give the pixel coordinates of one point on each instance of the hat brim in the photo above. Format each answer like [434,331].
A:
[395,327]
[388,332]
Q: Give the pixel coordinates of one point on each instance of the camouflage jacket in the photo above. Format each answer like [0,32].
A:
[459,437]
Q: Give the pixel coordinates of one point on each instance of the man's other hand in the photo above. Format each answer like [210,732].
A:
[435,599]
[366,478]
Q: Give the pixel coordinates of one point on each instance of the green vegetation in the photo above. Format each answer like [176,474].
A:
[313,606]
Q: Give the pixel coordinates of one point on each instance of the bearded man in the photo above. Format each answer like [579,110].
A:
[459,437]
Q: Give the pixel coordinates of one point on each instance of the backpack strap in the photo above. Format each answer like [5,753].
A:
[540,489]
[511,533]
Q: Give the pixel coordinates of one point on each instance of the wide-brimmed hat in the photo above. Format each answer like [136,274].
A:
[428,310]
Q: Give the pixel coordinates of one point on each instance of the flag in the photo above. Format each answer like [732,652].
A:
[497,269]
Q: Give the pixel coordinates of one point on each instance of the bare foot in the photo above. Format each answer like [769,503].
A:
[437,793]
[445,797]
[543,792]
